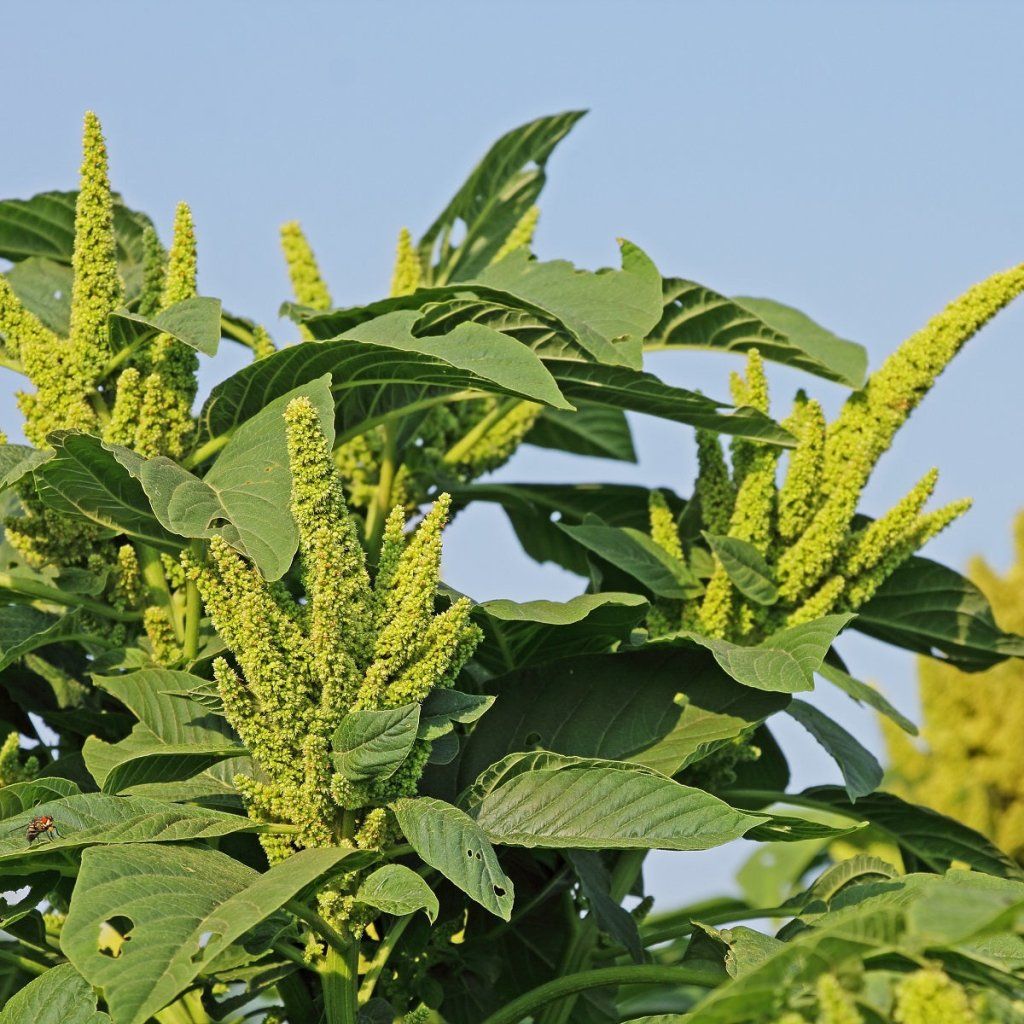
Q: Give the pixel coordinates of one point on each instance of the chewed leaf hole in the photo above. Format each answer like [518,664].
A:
[113,934]
[498,891]
[469,853]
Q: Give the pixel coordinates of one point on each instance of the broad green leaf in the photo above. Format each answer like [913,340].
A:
[59,996]
[159,698]
[44,287]
[24,796]
[92,819]
[601,309]
[746,568]
[396,889]
[862,693]
[926,607]
[216,900]
[381,369]
[442,708]
[45,226]
[154,695]
[861,771]
[606,806]
[610,916]
[18,459]
[536,512]
[591,430]
[519,635]
[784,662]
[637,555]
[788,828]
[142,758]
[245,496]
[500,189]
[24,629]
[444,749]
[83,478]
[585,707]
[374,744]
[451,841]
[622,387]
[935,840]
[697,317]
[194,322]
[892,916]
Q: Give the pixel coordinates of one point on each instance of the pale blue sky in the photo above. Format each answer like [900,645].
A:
[862,161]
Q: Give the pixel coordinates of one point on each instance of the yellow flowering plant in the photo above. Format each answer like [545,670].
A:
[259,763]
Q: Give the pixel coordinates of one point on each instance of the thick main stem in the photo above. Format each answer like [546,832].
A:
[193,614]
[527,1004]
[339,975]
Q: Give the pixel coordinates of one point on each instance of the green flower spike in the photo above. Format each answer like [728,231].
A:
[799,496]
[165,425]
[931,997]
[835,1005]
[308,285]
[96,288]
[154,270]
[354,643]
[520,235]
[405,278]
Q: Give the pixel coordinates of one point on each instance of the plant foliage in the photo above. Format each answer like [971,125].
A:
[261,764]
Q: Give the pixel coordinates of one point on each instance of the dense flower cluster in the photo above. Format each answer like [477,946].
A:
[972,767]
[459,441]
[806,531]
[352,643]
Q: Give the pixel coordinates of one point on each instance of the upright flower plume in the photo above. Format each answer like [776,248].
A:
[971,763]
[805,530]
[308,284]
[357,642]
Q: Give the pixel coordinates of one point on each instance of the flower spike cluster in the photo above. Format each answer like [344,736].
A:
[806,530]
[459,441]
[972,764]
[357,642]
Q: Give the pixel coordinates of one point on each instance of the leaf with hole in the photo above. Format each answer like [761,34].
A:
[451,841]
[167,942]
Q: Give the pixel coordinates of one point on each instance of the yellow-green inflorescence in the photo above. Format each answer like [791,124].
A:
[356,642]
[931,997]
[308,284]
[460,441]
[141,398]
[153,409]
[971,764]
[821,558]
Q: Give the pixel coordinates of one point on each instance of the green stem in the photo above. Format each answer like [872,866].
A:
[527,1004]
[27,965]
[159,591]
[384,951]
[380,507]
[193,612]
[339,975]
[469,441]
[23,587]
[581,948]
[333,938]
